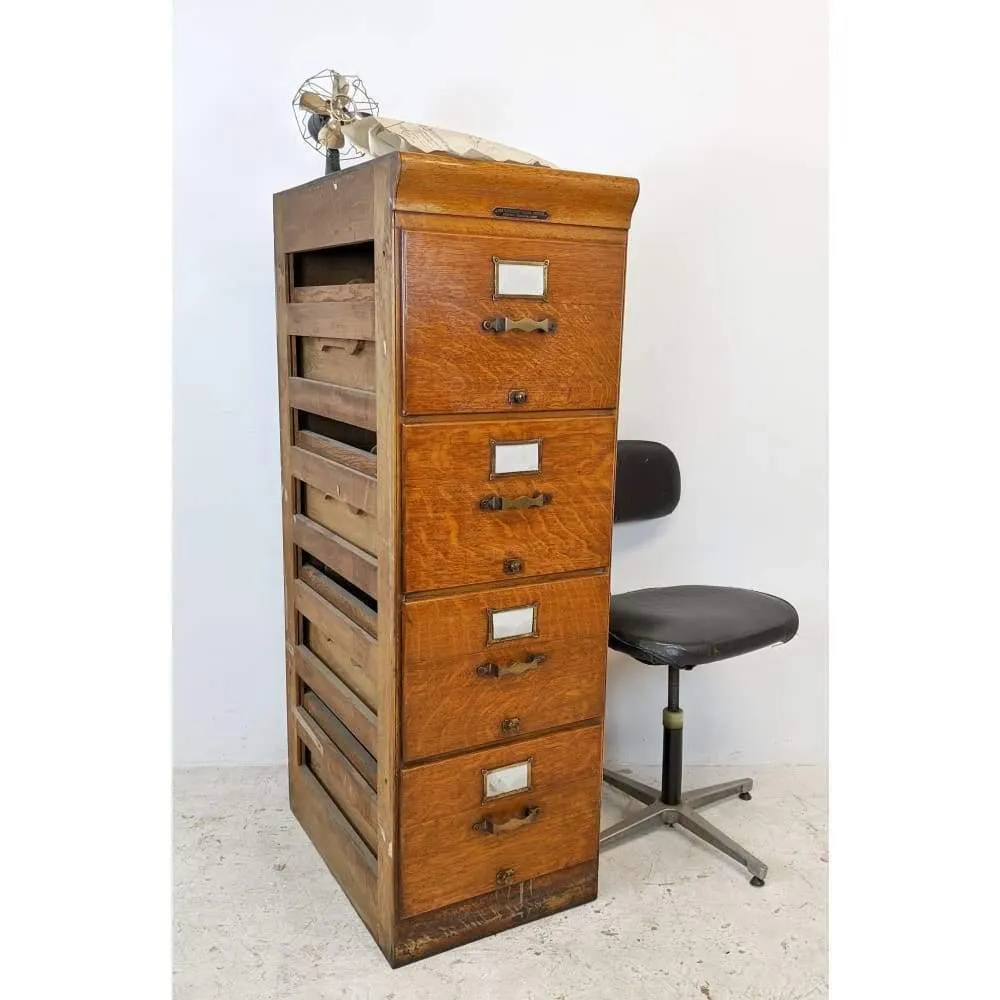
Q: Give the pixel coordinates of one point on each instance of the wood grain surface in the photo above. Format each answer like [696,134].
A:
[342,599]
[448,706]
[332,476]
[341,452]
[342,781]
[331,724]
[448,626]
[342,519]
[345,320]
[356,716]
[453,365]
[342,556]
[346,648]
[450,185]
[338,402]
[339,361]
[443,859]
[329,210]
[333,293]
[429,933]
[449,541]
[339,844]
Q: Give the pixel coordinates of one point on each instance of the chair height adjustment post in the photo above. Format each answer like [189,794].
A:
[673,739]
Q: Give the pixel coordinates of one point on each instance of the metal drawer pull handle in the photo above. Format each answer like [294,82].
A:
[502,503]
[533,662]
[486,824]
[504,324]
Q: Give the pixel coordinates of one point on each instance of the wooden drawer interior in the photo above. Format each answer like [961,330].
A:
[447,852]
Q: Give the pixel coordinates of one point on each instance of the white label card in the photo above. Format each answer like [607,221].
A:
[507,780]
[520,279]
[516,456]
[512,623]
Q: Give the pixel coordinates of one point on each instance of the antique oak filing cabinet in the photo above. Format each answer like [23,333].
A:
[449,339]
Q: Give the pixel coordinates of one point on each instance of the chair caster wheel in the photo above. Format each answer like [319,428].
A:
[745,796]
[757,881]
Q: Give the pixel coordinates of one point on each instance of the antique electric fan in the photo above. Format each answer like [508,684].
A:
[323,105]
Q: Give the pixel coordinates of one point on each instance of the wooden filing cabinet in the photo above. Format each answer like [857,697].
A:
[449,341]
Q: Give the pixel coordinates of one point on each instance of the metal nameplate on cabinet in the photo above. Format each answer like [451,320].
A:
[508,458]
[512,623]
[507,780]
[520,279]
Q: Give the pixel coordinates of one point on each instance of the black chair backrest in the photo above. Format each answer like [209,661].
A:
[649,481]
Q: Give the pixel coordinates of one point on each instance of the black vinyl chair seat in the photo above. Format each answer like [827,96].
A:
[687,626]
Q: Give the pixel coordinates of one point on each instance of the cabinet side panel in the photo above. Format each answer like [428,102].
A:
[387,391]
[288,494]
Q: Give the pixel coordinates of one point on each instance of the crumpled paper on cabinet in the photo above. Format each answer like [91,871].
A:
[389,135]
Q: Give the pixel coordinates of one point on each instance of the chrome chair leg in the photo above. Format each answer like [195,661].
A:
[711,834]
[686,816]
[636,819]
[698,798]
[636,789]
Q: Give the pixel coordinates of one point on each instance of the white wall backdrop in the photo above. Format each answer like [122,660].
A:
[719,108]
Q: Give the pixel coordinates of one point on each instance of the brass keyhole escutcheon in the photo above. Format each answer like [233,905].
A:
[510,726]
[517,396]
[505,876]
[513,566]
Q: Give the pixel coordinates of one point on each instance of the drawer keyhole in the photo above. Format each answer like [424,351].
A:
[517,396]
[513,566]
[510,726]
[505,876]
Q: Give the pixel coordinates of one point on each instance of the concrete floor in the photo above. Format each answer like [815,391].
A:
[258,917]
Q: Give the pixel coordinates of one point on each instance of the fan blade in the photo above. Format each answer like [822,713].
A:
[330,137]
[309,101]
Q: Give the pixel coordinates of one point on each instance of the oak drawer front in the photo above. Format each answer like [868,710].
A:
[531,656]
[470,702]
[458,523]
[453,365]
[456,844]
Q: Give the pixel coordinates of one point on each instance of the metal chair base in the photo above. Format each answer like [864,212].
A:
[685,814]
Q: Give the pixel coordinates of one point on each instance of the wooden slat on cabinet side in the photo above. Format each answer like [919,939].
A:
[346,484]
[357,526]
[351,320]
[347,787]
[334,293]
[355,609]
[357,717]
[346,648]
[338,402]
[338,451]
[345,740]
[352,563]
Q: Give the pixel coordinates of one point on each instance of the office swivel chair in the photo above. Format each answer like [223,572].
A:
[681,628]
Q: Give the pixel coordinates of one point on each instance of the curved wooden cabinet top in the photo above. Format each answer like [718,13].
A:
[437,184]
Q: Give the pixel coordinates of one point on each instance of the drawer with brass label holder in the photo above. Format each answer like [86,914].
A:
[498,817]
[503,662]
[493,323]
[489,499]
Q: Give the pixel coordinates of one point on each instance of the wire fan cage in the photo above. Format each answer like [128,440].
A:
[326,102]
